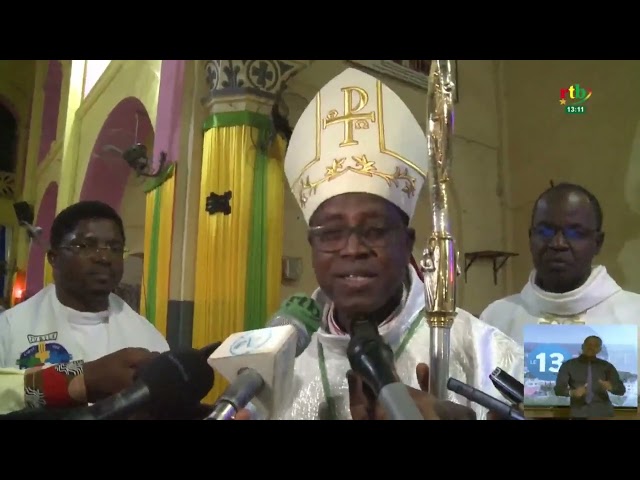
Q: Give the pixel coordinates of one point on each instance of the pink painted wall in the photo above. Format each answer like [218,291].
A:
[168,119]
[44,218]
[107,174]
[51,107]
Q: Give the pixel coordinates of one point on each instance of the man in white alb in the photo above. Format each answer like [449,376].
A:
[564,287]
[77,317]
[357,175]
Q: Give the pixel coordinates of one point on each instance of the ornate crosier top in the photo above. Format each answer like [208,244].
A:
[440,126]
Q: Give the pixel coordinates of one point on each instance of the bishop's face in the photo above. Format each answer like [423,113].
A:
[361,248]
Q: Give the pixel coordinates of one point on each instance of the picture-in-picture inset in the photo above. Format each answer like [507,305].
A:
[581,371]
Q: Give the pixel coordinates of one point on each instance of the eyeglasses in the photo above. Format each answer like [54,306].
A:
[89,250]
[331,239]
[547,233]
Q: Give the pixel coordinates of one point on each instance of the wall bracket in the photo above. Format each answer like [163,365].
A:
[497,257]
[218,203]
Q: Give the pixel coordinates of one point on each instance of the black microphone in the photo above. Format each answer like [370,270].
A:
[371,357]
[476,396]
[207,350]
[178,379]
[509,387]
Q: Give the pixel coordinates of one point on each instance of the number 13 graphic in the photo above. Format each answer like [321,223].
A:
[555,361]
[546,360]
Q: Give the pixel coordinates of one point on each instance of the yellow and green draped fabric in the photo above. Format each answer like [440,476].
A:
[238,266]
[158,229]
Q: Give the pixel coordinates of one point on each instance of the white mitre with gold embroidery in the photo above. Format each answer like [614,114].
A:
[356,135]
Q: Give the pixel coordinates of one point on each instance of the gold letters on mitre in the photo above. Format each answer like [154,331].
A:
[354,118]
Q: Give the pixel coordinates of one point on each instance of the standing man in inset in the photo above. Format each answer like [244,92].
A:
[564,287]
[587,380]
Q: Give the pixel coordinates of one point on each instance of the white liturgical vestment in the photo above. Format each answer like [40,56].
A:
[599,301]
[358,136]
[320,382]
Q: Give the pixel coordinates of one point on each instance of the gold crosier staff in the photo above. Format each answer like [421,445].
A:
[440,260]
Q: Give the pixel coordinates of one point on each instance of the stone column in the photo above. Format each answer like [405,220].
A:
[241,204]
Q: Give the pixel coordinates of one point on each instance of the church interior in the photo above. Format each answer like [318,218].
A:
[144,137]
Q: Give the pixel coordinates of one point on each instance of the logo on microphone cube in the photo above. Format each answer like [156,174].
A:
[545,361]
[250,341]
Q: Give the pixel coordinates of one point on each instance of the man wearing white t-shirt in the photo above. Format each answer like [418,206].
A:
[77,317]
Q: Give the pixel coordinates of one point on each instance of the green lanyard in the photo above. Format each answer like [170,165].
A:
[326,386]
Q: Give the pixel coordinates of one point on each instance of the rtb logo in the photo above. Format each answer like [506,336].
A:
[574,95]
[572,99]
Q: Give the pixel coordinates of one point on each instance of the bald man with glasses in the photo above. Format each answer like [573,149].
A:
[565,286]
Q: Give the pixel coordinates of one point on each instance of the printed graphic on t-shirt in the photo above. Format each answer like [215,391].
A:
[42,354]
[48,337]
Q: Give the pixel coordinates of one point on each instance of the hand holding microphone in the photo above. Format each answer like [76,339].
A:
[372,359]
[171,380]
[72,385]
[109,374]
[375,391]
[364,406]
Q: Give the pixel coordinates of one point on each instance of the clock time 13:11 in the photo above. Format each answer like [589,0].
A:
[574,109]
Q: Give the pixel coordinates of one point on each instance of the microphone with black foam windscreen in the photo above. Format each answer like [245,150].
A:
[372,359]
[172,380]
[500,408]
[509,387]
[259,363]
[207,350]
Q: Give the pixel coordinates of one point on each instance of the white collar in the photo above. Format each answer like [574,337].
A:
[598,287]
[392,331]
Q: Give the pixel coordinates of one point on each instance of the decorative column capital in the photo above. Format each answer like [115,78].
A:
[247,85]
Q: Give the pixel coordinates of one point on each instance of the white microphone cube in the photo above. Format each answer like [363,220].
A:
[269,351]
